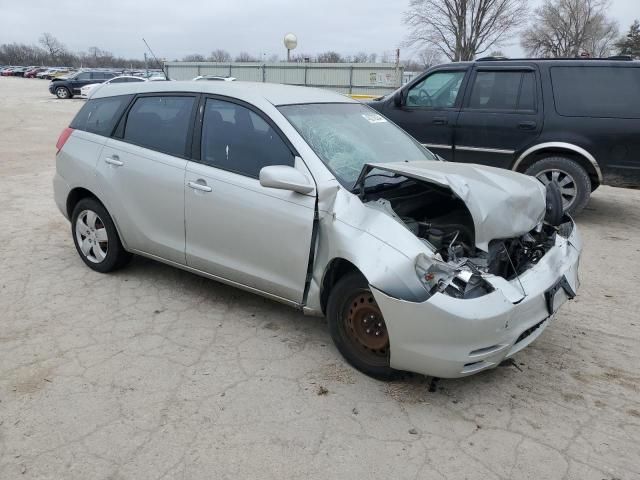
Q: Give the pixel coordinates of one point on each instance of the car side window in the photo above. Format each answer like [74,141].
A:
[118,80]
[100,115]
[160,123]
[503,90]
[237,139]
[438,90]
[83,76]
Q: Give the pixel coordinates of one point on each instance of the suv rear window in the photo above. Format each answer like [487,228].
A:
[586,91]
[100,115]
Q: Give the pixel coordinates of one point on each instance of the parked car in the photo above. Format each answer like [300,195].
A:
[88,90]
[572,122]
[215,78]
[311,198]
[68,87]
[31,73]
[7,71]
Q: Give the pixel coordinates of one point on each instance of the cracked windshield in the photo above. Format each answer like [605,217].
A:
[348,136]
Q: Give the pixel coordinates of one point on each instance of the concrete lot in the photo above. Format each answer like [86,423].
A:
[156,373]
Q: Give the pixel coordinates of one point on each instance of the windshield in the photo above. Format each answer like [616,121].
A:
[346,136]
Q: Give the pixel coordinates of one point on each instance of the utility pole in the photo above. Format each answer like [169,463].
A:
[146,66]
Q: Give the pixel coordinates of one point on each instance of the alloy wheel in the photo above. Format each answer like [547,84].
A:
[91,236]
[566,183]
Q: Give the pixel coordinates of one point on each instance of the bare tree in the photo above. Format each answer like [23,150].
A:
[52,45]
[462,29]
[360,57]
[330,57]
[219,55]
[569,28]
[245,57]
[194,57]
[428,57]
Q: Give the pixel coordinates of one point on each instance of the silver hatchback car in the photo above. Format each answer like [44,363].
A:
[315,200]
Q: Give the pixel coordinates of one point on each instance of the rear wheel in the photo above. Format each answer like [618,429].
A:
[63,93]
[96,238]
[358,328]
[572,180]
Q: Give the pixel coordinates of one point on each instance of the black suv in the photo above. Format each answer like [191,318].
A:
[71,85]
[575,122]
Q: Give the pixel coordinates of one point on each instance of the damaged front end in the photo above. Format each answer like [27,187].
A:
[476,225]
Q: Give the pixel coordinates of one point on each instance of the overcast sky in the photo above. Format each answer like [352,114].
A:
[178,28]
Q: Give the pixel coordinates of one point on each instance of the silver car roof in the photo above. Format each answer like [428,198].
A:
[274,93]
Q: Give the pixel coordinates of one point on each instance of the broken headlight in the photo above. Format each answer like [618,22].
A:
[458,280]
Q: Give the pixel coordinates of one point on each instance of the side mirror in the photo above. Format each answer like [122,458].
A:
[398,98]
[284,177]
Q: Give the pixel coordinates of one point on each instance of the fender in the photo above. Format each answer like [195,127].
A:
[561,145]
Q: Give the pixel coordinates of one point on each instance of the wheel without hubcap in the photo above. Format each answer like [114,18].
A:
[365,327]
[358,328]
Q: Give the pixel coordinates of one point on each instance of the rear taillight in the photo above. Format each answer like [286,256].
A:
[64,136]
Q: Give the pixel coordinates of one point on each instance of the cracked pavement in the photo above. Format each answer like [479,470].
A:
[155,373]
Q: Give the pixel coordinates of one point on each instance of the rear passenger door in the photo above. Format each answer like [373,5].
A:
[501,115]
[237,229]
[141,172]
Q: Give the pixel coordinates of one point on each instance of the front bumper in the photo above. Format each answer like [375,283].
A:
[448,337]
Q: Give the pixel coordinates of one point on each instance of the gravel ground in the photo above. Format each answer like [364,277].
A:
[156,373]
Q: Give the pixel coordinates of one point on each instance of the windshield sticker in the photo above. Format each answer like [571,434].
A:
[373,118]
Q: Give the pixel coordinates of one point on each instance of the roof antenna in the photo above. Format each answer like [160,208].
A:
[156,59]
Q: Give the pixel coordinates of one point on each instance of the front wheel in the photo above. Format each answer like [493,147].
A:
[63,93]
[96,238]
[358,328]
[572,180]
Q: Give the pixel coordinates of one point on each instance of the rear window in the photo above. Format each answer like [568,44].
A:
[160,123]
[100,115]
[587,91]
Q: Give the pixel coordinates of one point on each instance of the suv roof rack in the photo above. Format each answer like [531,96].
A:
[624,58]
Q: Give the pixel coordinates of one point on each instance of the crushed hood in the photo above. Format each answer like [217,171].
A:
[502,203]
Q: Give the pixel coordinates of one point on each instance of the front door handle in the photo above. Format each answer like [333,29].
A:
[527,125]
[200,185]
[114,160]
[440,120]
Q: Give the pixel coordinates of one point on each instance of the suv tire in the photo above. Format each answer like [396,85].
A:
[357,327]
[63,93]
[96,238]
[571,178]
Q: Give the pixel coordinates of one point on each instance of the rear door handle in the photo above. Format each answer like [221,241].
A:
[200,185]
[527,125]
[114,160]
[440,120]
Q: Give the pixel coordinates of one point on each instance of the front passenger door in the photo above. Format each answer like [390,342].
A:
[430,108]
[236,229]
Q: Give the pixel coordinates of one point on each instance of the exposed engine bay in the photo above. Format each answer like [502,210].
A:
[442,220]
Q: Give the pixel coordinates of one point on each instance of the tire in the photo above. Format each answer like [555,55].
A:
[63,93]
[573,180]
[351,305]
[96,238]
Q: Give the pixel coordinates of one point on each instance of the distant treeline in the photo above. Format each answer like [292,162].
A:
[49,51]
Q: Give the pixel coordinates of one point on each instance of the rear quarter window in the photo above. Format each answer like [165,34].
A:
[100,115]
[589,91]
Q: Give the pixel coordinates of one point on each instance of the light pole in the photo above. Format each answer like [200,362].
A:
[290,42]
